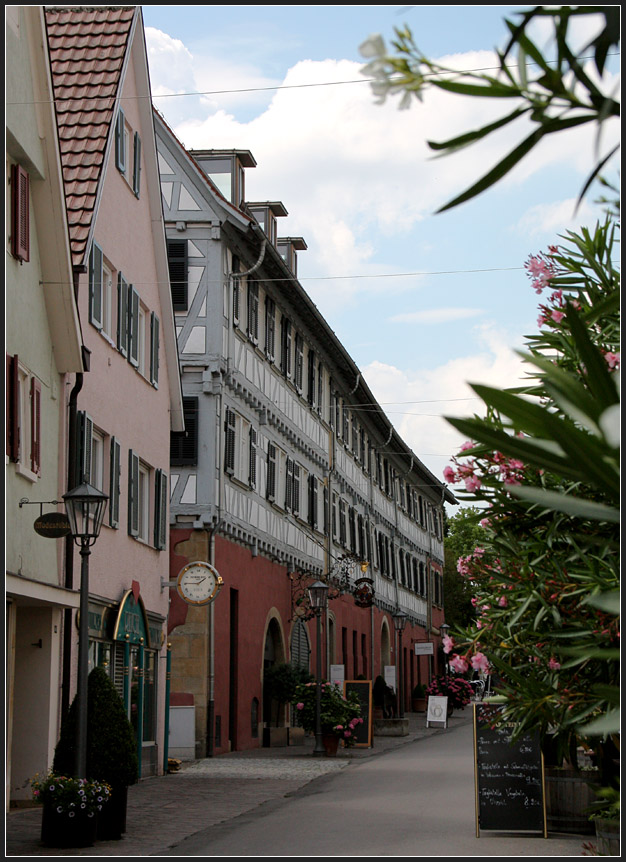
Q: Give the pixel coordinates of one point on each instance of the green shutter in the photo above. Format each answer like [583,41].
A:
[137,164]
[133,326]
[114,484]
[120,142]
[84,436]
[133,493]
[154,349]
[160,509]
[122,314]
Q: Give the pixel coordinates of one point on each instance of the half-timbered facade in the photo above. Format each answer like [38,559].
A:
[288,470]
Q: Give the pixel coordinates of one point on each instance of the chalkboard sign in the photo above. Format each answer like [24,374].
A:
[362,688]
[509,777]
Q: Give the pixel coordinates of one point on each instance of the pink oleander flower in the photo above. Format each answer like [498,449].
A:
[448,643]
[612,359]
[480,662]
[553,664]
[299,706]
[485,522]
[448,474]
[458,663]
[472,483]
[557,316]
[467,445]
[503,601]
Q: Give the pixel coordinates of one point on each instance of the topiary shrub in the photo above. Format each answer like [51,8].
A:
[111,745]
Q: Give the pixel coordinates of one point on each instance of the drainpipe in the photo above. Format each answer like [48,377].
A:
[210,726]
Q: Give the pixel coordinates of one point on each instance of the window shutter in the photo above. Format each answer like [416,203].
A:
[253,311]
[154,349]
[271,472]
[114,483]
[84,437]
[253,448]
[12,408]
[295,494]
[122,314]
[184,445]
[95,286]
[311,379]
[35,426]
[137,164]
[160,509]
[313,502]
[270,328]
[229,448]
[133,326]
[133,493]
[20,213]
[120,142]
[299,362]
[326,510]
[177,260]
[285,356]
[289,485]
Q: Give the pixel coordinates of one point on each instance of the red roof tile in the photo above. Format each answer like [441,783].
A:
[87,46]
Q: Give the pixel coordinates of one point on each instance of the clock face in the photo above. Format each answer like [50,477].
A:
[198,583]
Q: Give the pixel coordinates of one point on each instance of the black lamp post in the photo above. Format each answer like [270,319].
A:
[399,621]
[444,628]
[318,597]
[85,507]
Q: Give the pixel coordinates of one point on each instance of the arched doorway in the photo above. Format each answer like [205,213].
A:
[273,653]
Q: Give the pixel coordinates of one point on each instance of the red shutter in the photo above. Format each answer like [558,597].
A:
[12,409]
[35,426]
[20,200]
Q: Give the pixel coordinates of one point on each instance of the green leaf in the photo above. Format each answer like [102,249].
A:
[609,601]
[470,137]
[577,506]
[606,724]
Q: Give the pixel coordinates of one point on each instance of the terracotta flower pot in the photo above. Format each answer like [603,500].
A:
[331,744]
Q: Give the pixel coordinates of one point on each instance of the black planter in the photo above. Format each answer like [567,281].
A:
[63,830]
[112,818]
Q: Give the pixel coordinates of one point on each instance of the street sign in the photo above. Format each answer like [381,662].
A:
[424,648]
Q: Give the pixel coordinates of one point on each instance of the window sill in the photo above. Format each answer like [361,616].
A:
[21,470]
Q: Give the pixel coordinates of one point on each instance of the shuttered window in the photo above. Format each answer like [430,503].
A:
[20,213]
[177,259]
[252,462]
[134,339]
[229,445]
[114,483]
[12,408]
[270,328]
[154,349]
[160,509]
[137,164]
[313,502]
[133,493]
[122,314]
[84,440]
[285,347]
[298,371]
[35,426]
[253,311]
[120,142]
[184,444]
[271,472]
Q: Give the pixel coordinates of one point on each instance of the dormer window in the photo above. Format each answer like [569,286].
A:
[266,215]
[225,169]
[287,248]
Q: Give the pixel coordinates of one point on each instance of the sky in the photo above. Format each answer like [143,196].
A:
[424,303]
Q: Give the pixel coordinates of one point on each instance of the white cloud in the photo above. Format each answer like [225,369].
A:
[436,315]
[416,400]
[552,218]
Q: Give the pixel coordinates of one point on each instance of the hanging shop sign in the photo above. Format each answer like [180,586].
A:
[132,621]
[52,525]
[198,583]
[424,648]
[364,593]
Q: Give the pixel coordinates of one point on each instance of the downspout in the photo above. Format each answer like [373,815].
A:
[210,727]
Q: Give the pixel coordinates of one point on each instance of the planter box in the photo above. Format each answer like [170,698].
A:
[296,735]
[419,704]
[608,835]
[391,727]
[568,795]
[275,737]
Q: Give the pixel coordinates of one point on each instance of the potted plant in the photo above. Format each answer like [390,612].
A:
[70,809]
[418,698]
[606,817]
[456,689]
[111,749]
[339,715]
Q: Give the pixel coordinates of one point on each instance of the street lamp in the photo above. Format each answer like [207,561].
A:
[444,628]
[85,507]
[318,597]
[399,621]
